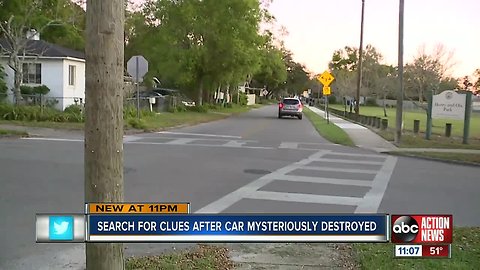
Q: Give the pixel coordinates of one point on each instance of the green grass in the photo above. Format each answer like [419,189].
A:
[465,254]
[330,131]
[45,124]
[7,132]
[149,123]
[410,140]
[470,158]
[438,125]
[201,257]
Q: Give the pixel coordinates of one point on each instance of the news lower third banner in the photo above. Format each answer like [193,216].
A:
[236,228]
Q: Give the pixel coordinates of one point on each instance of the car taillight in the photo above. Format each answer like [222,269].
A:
[280,105]
[300,105]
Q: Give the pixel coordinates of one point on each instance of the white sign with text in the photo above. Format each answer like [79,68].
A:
[449,104]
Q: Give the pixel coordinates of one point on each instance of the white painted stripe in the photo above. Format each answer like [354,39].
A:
[200,144]
[303,198]
[350,161]
[181,141]
[234,144]
[199,134]
[358,155]
[131,138]
[323,180]
[288,145]
[330,169]
[235,196]
[373,198]
[53,139]
[237,238]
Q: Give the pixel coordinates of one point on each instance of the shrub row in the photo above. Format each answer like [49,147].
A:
[37,113]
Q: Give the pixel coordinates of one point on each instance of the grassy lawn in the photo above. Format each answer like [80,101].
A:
[331,132]
[410,140]
[465,254]
[6,132]
[438,125]
[44,124]
[201,257]
[149,123]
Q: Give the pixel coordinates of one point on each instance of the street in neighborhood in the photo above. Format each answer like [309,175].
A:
[249,163]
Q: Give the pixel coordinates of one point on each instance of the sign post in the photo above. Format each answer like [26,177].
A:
[326,78]
[137,67]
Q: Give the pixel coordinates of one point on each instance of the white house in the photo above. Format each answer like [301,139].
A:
[59,68]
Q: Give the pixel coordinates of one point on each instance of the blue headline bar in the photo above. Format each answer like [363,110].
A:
[200,224]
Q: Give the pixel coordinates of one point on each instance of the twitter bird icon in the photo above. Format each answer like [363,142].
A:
[61,228]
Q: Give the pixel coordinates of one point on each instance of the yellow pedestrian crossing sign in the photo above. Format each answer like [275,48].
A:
[326,78]
[326,90]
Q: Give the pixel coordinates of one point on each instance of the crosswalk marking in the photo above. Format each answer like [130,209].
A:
[181,141]
[349,161]
[374,197]
[304,198]
[324,180]
[234,143]
[288,145]
[332,169]
[366,204]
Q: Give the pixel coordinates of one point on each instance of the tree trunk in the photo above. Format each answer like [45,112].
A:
[200,92]
[104,118]
[16,66]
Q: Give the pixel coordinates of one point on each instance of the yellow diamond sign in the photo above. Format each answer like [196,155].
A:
[326,78]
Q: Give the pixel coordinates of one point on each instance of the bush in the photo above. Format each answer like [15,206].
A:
[200,109]
[26,90]
[42,90]
[37,113]
[74,109]
[243,99]
[137,123]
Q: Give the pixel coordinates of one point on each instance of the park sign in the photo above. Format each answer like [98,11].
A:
[449,104]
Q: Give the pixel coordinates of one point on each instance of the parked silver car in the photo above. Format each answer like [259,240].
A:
[290,107]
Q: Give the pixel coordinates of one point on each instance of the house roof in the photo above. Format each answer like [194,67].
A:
[45,49]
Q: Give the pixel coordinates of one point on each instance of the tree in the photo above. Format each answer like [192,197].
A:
[3,85]
[200,44]
[426,72]
[273,70]
[344,65]
[477,82]
[104,119]
[17,17]
[297,77]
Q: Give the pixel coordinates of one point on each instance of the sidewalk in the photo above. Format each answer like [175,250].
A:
[360,135]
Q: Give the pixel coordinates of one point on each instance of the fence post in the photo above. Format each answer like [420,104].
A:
[416,126]
[448,129]
[384,124]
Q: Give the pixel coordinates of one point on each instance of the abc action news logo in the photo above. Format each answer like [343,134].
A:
[422,229]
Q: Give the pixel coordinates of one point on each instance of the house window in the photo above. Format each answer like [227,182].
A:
[32,73]
[71,75]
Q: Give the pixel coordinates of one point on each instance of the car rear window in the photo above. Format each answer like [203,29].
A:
[290,101]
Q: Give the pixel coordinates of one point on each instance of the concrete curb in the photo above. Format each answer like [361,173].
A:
[411,155]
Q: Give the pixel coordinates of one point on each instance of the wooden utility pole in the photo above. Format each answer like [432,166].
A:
[399,112]
[104,118]
[359,67]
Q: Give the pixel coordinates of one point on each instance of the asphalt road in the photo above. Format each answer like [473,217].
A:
[253,162]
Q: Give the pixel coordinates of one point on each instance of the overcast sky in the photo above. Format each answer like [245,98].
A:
[318,27]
